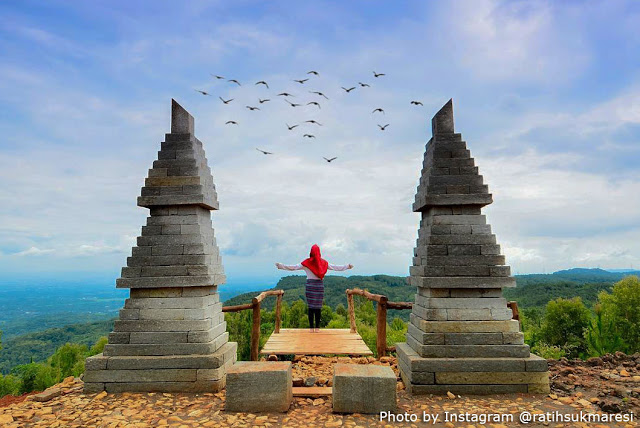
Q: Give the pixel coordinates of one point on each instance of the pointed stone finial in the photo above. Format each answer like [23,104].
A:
[181,120]
[442,122]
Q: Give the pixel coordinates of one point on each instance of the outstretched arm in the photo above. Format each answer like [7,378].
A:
[340,267]
[289,267]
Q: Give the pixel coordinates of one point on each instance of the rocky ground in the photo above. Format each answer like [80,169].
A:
[610,384]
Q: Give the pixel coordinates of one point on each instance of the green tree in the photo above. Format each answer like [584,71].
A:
[602,337]
[622,309]
[564,324]
[68,360]
[98,347]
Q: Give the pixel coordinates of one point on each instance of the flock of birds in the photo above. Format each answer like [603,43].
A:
[286,97]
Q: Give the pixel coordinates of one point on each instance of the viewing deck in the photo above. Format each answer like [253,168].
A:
[300,341]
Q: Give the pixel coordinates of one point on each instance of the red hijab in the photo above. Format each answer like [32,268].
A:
[316,263]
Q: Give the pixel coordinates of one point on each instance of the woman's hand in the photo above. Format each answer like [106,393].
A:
[278,265]
[350,266]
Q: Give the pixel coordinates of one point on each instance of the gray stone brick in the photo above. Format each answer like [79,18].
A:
[459,219]
[463,250]
[426,338]
[473,339]
[158,337]
[254,386]
[461,303]
[468,351]
[97,362]
[160,349]
[214,360]
[165,250]
[363,388]
[161,325]
[192,387]
[464,282]
[476,292]
[417,378]
[156,375]
[118,337]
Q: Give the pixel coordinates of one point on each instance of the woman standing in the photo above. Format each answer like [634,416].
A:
[315,267]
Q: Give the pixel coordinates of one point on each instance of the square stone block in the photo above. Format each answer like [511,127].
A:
[259,386]
[363,388]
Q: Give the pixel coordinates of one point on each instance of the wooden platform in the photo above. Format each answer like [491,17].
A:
[329,341]
[313,391]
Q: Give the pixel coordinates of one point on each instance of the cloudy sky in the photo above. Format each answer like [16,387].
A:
[547,95]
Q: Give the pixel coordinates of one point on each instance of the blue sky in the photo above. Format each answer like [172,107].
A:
[547,95]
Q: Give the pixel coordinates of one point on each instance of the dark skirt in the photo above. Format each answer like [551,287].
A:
[314,291]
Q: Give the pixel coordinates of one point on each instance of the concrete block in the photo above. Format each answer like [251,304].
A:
[468,351]
[476,293]
[161,325]
[173,387]
[460,302]
[464,326]
[161,349]
[500,271]
[505,378]
[157,337]
[167,250]
[175,302]
[463,250]
[433,292]
[464,260]
[473,339]
[363,388]
[254,386]
[469,314]
[214,360]
[464,282]
[416,363]
[91,388]
[170,281]
[207,336]
[426,338]
[129,314]
[156,375]
[118,337]
[433,239]
[97,362]
[536,364]
[459,219]
[513,338]
[430,314]
[417,378]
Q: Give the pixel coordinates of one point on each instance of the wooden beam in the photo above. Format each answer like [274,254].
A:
[260,297]
[352,314]
[399,305]
[381,327]
[255,330]
[278,308]
[365,293]
[237,308]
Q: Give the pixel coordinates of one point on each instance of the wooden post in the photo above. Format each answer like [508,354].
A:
[255,330]
[278,304]
[381,339]
[352,314]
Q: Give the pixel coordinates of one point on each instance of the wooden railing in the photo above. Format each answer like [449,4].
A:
[255,306]
[381,316]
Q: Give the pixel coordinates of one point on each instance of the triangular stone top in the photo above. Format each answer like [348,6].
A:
[181,175]
[449,175]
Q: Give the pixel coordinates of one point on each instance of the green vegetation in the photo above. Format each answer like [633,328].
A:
[574,313]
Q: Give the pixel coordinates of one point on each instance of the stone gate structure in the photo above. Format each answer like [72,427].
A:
[461,337]
[171,335]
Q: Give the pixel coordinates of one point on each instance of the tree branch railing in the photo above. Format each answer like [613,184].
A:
[381,316]
[255,307]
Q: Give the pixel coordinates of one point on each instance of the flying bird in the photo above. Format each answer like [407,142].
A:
[217,77]
[364,85]
[202,92]
[262,82]
[348,90]
[291,127]
[285,94]
[382,128]
[330,160]
[261,101]
[378,74]
[378,109]
[301,81]
[226,101]
[313,72]
[417,103]
[252,108]
[309,136]
[234,81]
[231,122]
[318,93]
[292,104]
[314,103]
[313,121]
[266,153]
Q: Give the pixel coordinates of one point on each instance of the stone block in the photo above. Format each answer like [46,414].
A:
[476,293]
[504,378]
[539,388]
[155,375]
[157,337]
[459,219]
[426,338]
[461,302]
[170,281]
[173,302]
[468,351]
[165,349]
[464,326]
[161,325]
[91,388]
[416,363]
[254,386]
[173,387]
[464,260]
[536,364]
[119,337]
[214,360]
[513,338]
[416,378]
[473,339]
[464,282]
[440,239]
[97,362]
[363,388]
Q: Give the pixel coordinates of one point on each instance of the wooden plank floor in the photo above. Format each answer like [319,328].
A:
[334,341]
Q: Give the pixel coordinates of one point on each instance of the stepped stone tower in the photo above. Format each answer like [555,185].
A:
[461,337]
[171,335]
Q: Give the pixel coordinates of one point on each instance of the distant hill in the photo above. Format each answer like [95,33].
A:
[42,344]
